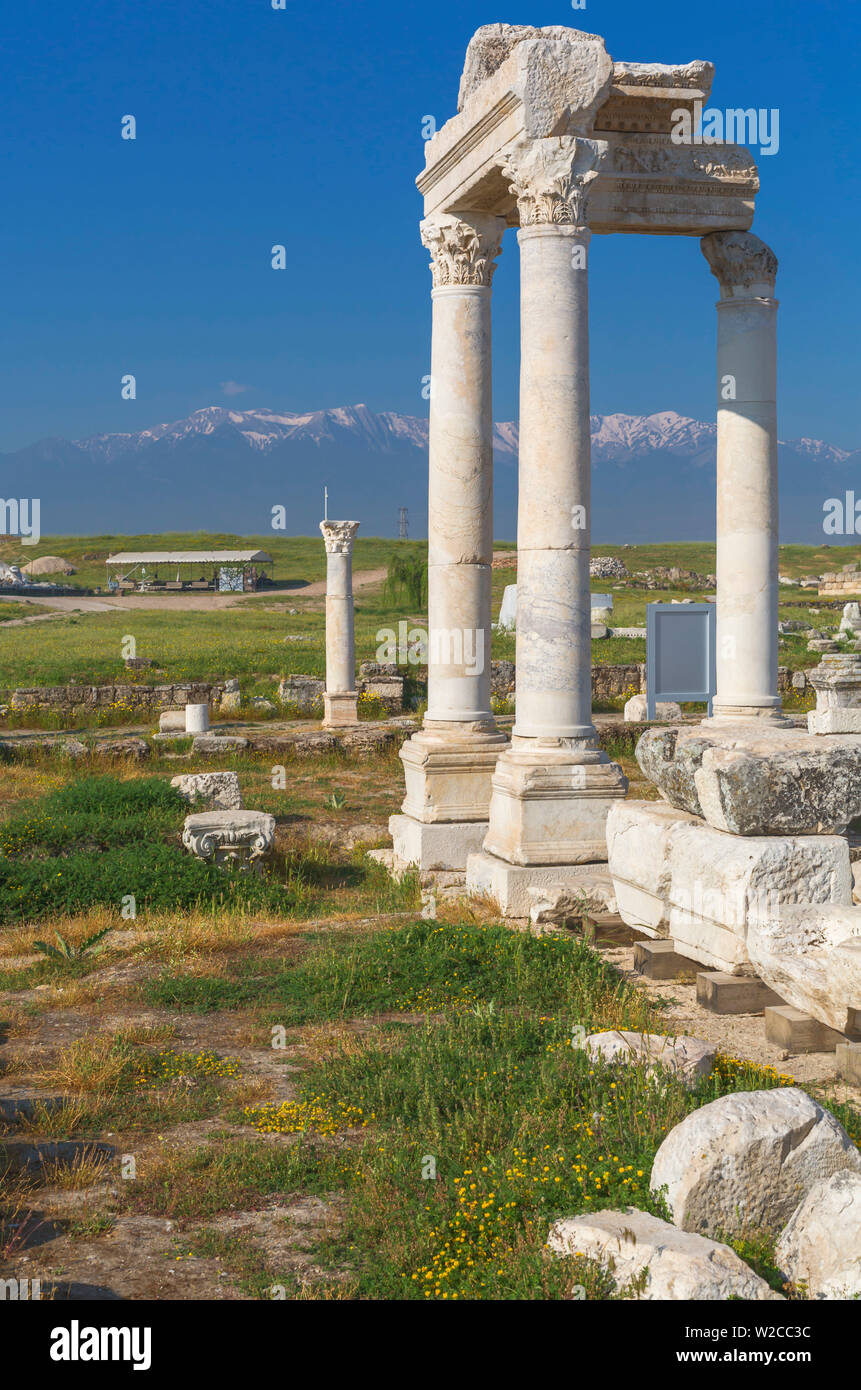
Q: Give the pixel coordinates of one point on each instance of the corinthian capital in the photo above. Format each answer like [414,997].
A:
[550,178]
[339,536]
[743,264]
[462,252]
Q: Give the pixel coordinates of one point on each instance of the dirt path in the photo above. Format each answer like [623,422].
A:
[182,602]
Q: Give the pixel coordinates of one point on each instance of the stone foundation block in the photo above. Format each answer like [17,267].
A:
[796,1031]
[733,994]
[509,885]
[441,845]
[675,876]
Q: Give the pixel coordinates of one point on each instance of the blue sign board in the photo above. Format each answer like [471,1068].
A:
[680,653]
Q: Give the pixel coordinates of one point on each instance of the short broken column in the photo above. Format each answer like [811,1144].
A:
[340,701]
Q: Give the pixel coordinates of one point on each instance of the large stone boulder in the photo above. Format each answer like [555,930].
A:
[690,1059]
[811,957]
[671,1264]
[768,781]
[821,1245]
[748,1159]
[220,790]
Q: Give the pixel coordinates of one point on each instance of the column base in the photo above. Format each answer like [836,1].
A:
[448,770]
[732,714]
[550,804]
[443,846]
[509,885]
[340,708]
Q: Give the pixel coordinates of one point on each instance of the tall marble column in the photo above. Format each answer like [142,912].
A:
[552,789]
[747,534]
[340,699]
[448,765]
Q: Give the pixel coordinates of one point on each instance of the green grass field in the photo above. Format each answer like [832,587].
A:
[248,640]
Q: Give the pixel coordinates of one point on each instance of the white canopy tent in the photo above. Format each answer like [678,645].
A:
[228,569]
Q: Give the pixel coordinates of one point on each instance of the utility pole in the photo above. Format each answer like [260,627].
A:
[325,502]
[404,531]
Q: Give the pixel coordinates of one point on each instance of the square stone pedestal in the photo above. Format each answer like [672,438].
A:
[508,885]
[340,708]
[447,771]
[434,845]
[550,805]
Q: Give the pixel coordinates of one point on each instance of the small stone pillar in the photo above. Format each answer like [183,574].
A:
[837,682]
[197,719]
[747,537]
[341,698]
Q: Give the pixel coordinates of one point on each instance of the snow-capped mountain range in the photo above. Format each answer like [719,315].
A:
[225,469]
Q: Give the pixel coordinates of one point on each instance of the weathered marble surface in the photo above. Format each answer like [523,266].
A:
[755,779]
[677,876]
[821,1244]
[690,1059]
[237,838]
[676,1264]
[219,789]
[748,1159]
[811,957]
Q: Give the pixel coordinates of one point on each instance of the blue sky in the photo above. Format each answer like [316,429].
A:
[303,127]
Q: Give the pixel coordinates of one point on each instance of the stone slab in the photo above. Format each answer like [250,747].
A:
[438,845]
[796,1031]
[508,885]
[677,877]
[811,957]
[668,1264]
[768,780]
[733,994]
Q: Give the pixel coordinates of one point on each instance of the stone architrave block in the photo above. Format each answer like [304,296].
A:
[811,957]
[767,781]
[675,876]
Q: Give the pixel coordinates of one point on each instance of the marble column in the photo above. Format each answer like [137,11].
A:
[552,789]
[449,763]
[747,534]
[340,700]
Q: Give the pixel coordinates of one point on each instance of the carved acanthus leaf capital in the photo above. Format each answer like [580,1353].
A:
[741,262]
[462,252]
[550,178]
[339,536]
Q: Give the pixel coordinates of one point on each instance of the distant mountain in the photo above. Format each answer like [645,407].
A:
[653,475]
